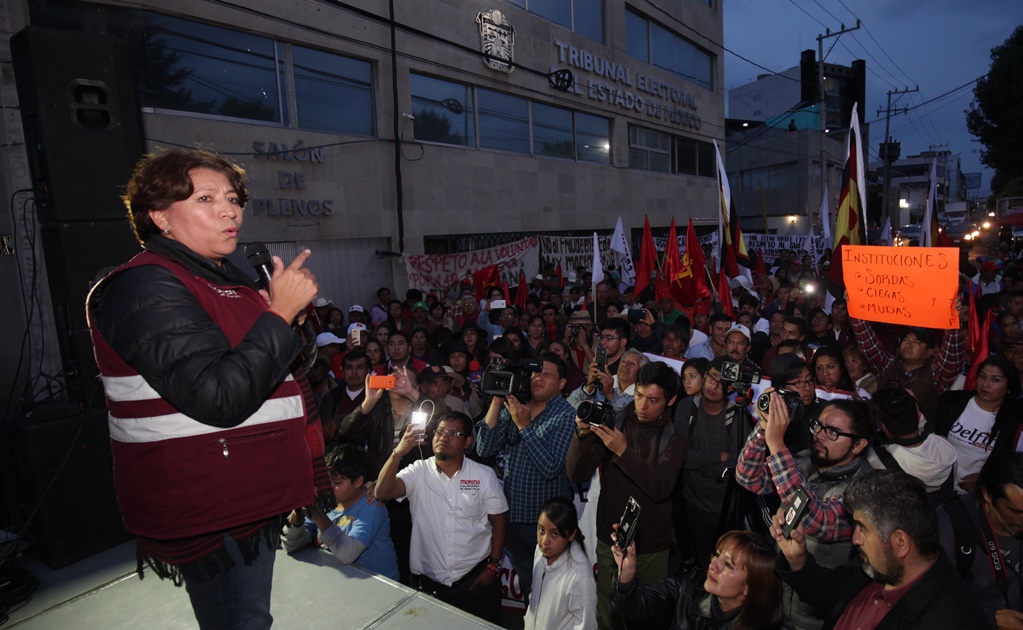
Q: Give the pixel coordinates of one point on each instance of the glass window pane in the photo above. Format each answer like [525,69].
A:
[442,111]
[704,70]
[334,93]
[552,132]
[593,138]
[707,160]
[518,3]
[589,18]
[685,155]
[207,69]
[662,47]
[637,37]
[685,59]
[504,121]
[557,11]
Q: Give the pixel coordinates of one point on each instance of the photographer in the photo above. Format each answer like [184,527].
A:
[837,455]
[717,428]
[619,389]
[646,331]
[578,336]
[642,453]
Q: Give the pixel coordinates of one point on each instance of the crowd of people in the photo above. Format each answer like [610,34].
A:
[864,487]
[644,393]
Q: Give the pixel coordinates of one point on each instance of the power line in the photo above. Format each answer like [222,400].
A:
[880,47]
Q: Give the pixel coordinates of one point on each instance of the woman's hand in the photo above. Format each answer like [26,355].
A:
[292,288]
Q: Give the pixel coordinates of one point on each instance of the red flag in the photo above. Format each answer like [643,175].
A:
[760,268]
[507,299]
[972,326]
[725,293]
[672,265]
[849,227]
[980,352]
[647,259]
[689,283]
[483,278]
[522,292]
[561,278]
[662,288]
[733,255]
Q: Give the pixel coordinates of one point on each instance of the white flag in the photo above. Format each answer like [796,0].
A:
[825,216]
[926,233]
[886,232]
[620,245]
[598,269]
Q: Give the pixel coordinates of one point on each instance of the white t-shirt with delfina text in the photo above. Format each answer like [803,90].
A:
[970,435]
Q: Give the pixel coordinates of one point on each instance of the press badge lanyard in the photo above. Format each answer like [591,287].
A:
[994,556]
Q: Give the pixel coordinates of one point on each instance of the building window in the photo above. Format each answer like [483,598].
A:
[333,93]
[652,43]
[773,177]
[442,111]
[187,66]
[504,121]
[651,150]
[585,17]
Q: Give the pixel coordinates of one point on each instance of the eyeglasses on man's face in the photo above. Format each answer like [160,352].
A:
[831,432]
[443,433]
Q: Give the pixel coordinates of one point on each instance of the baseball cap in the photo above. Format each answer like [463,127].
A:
[739,328]
[327,338]
[355,308]
[357,326]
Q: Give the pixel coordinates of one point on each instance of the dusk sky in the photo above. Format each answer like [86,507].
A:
[936,44]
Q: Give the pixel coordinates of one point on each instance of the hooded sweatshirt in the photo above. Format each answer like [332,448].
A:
[931,461]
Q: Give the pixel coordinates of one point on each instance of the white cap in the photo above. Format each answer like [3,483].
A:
[327,338]
[357,326]
[355,308]
[739,328]
[741,281]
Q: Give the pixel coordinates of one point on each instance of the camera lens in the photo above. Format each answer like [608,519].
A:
[764,402]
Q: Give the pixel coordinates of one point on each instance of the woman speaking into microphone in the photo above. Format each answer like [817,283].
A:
[206,421]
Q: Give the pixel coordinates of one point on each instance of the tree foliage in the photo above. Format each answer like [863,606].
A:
[995,116]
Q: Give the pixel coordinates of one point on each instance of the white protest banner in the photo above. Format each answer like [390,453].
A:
[573,252]
[707,240]
[443,270]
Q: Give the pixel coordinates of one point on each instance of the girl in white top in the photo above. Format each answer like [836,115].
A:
[564,590]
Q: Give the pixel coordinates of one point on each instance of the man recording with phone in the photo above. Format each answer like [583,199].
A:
[836,456]
[642,454]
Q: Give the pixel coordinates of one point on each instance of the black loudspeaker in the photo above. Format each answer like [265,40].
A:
[78,254]
[83,127]
[63,481]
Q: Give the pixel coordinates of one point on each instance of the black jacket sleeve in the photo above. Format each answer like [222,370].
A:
[157,326]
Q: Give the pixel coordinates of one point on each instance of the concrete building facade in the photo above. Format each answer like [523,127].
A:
[371,129]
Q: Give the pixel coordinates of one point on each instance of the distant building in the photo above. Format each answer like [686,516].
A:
[910,182]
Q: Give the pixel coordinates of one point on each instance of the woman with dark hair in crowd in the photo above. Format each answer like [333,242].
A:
[396,315]
[200,389]
[693,372]
[982,423]
[829,370]
[336,322]
[859,369]
[536,334]
[375,353]
[383,331]
[504,348]
[740,590]
[564,594]
[574,377]
[518,340]
[476,340]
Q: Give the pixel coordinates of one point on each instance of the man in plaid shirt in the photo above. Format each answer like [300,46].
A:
[535,437]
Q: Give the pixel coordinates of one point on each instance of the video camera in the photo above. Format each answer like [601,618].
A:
[504,378]
[739,380]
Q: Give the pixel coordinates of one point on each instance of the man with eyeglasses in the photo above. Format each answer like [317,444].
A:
[840,441]
[459,518]
[614,337]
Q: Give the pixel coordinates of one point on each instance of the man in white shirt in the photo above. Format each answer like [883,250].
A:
[459,518]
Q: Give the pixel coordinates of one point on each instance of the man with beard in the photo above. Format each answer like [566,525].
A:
[459,518]
[824,470]
[993,512]
[900,581]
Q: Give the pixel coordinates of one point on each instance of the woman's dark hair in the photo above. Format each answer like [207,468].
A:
[763,605]
[163,179]
[330,312]
[525,349]
[785,368]
[1008,370]
[699,364]
[561,512]
[501,346]
[844,380]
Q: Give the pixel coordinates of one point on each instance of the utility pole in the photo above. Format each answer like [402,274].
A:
[888,147]
[944,168]
[821,94]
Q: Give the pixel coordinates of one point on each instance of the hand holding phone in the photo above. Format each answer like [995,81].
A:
[626,532]
[382,382]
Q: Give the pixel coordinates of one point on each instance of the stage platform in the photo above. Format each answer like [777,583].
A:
[311,590]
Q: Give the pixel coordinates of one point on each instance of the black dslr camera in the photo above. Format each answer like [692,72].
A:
[503,378]
[596,412]
[792,400]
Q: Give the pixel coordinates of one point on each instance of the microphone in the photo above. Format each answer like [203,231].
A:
[259,257]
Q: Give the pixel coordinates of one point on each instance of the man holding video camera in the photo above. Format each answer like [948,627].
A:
[534,435]
[642,453]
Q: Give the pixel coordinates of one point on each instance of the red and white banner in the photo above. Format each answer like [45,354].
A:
[428,273]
